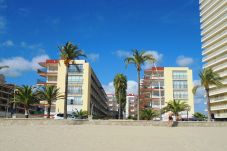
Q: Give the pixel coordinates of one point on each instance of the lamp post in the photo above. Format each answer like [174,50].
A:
[159,91]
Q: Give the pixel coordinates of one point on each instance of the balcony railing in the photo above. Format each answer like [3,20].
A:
[213,18]
[218,99]
[215,31]
[220,67]
[214,9]
[219,107]
[216,53]
[215,61]
[221,115]
[208,7]
[210,42]
[218,91]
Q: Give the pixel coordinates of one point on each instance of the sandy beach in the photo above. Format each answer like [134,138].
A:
[111,138]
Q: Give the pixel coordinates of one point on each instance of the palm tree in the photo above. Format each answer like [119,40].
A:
[138,59]
[26,96]
[208,77]
[49,93]
[176,106]
[120,85]
[68,53]
[148,114]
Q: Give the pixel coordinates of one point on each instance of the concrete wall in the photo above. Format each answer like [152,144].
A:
[7,122]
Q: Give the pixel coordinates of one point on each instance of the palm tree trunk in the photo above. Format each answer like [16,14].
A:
[26,112]
[66,92]
[119,116]
[138,99]
[208,104]
[48,111]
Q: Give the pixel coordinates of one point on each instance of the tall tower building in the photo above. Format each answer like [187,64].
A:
[213,20]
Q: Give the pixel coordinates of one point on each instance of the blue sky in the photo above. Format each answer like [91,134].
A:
[107,30]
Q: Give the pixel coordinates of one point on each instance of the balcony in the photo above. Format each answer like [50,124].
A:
[208,7]
[215,61]
[219,107]
[223,74]
[221,115]
[220,67]
[215,31]
[218,6]
[213,25]
[43,82]
[213,18]
[218,99]
[44,73]
[213,40]
[218,91]
[214,54]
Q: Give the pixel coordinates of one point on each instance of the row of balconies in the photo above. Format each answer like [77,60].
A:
[219,107]
[214,18]
[218,99]
[214,8]
[209,6]
[214,54]
[215,61]
[218,91]
[214,32]
[221,115]
[220,67]
[213,41]
[213,25]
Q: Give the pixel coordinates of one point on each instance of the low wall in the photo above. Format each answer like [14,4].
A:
[41,121]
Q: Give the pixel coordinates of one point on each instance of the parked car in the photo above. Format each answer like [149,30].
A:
[60,116]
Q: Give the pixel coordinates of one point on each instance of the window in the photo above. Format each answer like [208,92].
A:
[179,74]
[74,89]
[180,94]
[52,78]
[180,84]
[75,79]
[75,68]
[76,100]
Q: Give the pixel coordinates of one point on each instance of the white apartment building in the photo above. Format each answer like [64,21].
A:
[213,20]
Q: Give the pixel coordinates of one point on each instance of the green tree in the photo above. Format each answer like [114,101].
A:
[200,116]
[68,53]
[81,114]
[26,96]
[138,59]
[208,77]
[120,85]
[49,93]
[176,106]
[148,114]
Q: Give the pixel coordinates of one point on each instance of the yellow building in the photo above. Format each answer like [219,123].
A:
[213,20]
[85,92]
[171,83]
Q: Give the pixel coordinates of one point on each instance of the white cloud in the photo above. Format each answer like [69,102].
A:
[132,87]
[8,43]
[158,56]
[2,24]
[122,53]
[19,65]
[93,56]
[184,61]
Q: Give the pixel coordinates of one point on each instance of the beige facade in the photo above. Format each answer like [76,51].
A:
[213,20]
[85,92]
[165,84]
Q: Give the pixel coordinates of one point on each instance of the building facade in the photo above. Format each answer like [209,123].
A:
[131,106]
[163,84]
[85,92]
[213,20]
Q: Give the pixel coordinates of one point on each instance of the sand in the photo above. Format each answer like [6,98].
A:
[111,138]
